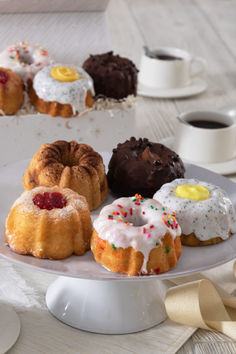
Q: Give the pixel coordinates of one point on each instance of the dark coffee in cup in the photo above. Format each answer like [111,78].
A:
[167,57]
[208,124]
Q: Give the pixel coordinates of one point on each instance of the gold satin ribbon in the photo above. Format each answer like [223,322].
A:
[198,304]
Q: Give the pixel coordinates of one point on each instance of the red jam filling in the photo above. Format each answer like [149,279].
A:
[3,77]
[49,201]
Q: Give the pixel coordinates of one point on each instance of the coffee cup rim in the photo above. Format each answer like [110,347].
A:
[211,116]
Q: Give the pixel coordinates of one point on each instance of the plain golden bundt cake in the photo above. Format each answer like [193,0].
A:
[11,92]
[69,165]
[49,223]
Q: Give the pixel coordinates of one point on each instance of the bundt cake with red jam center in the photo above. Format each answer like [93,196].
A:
[11,92]
[49,223]
[69,165]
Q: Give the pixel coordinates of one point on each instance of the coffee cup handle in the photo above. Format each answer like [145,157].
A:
[202,67]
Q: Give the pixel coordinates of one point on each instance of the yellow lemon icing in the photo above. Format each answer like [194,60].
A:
[64,74]
[193,192]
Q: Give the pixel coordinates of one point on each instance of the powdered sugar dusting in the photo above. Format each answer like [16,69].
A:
[25,202]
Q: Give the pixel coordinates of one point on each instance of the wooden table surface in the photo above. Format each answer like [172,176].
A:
[206,28]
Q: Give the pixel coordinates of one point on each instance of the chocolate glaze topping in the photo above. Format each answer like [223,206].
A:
[113,76]
[140,166]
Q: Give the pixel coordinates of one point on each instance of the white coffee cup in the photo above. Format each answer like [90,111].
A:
[169,68]
[205,145]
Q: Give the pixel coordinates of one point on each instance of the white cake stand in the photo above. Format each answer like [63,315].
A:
[89,297]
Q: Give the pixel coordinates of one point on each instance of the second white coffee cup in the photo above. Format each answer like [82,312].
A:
[169,68]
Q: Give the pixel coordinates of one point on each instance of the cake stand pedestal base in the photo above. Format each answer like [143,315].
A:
[108,306]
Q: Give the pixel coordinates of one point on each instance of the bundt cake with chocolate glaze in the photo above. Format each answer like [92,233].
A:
[141,166]
[69,165]
[113,76]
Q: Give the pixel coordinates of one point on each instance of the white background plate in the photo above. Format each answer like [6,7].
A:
[9,327]
[198,85]
[193,259]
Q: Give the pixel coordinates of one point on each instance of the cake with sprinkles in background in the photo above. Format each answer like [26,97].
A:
[25,60]
[204,211]
[136,236]
[141,166]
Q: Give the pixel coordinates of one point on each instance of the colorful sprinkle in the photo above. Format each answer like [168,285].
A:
[137,203]
[151,206]
[166,223]
[148,235]
[114,247]
[143,213]
[167,250]
[119,206]
[131,211]
[163,208]
[144,230]
[151,226]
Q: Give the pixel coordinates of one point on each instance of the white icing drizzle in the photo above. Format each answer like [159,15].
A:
[34,57]
[209,218]
[73,93]
[146,229]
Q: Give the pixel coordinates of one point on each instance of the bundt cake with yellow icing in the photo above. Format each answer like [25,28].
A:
[135,236]
[60,90]
[49,223]
[11,92]
[69,165]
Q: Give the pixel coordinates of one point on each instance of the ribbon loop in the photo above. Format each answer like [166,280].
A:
[198,304]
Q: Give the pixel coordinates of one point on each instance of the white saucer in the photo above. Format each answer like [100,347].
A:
[198,85]
[9,327]
[223,168]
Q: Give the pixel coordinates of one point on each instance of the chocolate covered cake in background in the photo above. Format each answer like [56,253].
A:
[141,166]
[114,76]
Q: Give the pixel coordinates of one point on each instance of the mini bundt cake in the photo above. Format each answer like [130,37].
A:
[62,91]
[205,213]
[143,167]
[69,165]
[113,76]
[135,236]
[25,59]
[11,92]
[49,223]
